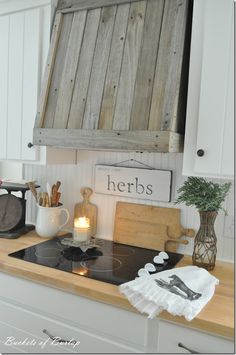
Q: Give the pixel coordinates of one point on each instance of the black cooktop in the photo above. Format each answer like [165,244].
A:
[109,262]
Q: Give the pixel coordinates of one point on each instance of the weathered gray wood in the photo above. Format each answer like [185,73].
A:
[84,69]
[99,68]
[107,80]
[66,6]
[158,141]
[164,106]
[56,76]
[146,66]
[48,71]
[70,66]
[129,66]
[114,66]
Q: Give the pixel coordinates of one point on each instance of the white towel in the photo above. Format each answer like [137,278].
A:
[182,291]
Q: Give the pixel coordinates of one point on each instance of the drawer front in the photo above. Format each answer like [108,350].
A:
[171,335]
[6,346]
[119,324]
[27,327]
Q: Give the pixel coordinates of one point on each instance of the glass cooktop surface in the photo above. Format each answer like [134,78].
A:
[109,262]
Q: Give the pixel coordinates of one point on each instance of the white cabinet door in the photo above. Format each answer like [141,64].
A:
[210,117]
[24,43]
[175,339]
[23,38]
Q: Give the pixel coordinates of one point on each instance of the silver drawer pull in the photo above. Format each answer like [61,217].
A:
[58,339]
[180,345]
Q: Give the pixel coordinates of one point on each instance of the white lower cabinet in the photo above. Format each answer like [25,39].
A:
[27,308]
[176,339]
[30,313]
[34,333]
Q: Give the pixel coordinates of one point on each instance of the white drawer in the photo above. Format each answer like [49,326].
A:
[170,335]
[91,316]
[5,331]
[23,325]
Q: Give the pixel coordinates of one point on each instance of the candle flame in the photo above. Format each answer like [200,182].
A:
[81,222]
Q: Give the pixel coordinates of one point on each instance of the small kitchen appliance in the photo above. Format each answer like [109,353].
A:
[13,211]
[110,262]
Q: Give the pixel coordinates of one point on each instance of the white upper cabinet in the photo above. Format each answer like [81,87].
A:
[209,136]
[24,43]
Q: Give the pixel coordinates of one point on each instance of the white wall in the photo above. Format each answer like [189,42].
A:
[10,170]
[73,177]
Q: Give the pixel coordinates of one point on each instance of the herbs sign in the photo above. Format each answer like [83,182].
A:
[133,182]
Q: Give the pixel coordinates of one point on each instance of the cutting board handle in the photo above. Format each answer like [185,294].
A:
[86,192]
[188,232]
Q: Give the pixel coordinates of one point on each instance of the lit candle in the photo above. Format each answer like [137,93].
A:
[81,229]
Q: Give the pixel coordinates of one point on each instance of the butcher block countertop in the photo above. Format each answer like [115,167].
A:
[217,317]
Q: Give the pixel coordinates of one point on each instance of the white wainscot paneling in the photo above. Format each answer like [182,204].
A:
[81,175]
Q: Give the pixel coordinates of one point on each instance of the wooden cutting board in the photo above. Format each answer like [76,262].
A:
[149,226]
[87,209]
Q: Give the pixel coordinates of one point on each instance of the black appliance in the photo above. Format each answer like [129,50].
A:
[109,262]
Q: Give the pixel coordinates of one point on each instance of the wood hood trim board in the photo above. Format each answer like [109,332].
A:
[116,76]
[153,141]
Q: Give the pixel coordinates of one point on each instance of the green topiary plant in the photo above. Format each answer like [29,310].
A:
[204,195]
[207,197]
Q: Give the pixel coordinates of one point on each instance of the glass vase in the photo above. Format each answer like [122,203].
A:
[204,253]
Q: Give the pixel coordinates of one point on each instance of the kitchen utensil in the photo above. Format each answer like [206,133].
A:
[149,226]
[87,209]
[48,222]
[58,184]
[58,196]
[32,187]
[49,191]
[55,195]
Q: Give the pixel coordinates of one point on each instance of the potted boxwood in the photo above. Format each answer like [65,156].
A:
[207,197]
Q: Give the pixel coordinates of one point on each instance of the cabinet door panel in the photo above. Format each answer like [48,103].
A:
[213,113]
[4,31]
[15,84]
[31,65]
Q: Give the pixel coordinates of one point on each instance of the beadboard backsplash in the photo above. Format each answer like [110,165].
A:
[73,177]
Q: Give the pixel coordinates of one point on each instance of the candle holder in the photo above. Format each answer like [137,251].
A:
[81,232]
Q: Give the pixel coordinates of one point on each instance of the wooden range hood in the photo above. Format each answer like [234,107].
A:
[116,76]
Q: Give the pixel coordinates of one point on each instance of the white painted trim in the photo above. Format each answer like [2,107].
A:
[12,6]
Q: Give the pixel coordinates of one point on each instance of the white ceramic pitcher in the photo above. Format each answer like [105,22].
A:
[48,221]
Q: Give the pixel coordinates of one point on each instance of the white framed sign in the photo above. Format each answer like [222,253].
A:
[149,184]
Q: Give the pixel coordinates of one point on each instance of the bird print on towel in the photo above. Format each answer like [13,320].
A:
[178,287]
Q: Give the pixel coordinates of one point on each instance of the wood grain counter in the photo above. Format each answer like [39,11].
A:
[217,317]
